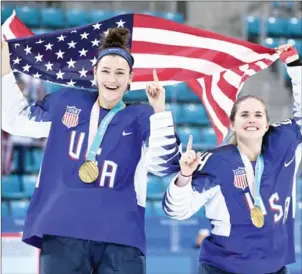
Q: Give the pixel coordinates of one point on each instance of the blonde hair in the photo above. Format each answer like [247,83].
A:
[232,137]
[233,140]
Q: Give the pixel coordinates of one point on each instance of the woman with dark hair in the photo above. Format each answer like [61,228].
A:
[247,187]
[87,211]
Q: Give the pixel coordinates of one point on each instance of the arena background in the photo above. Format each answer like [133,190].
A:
[172,246]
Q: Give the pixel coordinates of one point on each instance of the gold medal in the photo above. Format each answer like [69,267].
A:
[257,217]
[89,172]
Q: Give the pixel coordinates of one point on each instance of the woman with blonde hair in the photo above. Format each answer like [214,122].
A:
[247,187]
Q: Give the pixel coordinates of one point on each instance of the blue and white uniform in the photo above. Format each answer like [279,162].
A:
[111,209]
[220,184]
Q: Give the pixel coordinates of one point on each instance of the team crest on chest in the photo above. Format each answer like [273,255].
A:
[240,180]
[71,116]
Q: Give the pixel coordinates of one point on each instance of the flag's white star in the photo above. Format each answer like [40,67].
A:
[60,74]
[71,63]
[83,52]
[120,24]
[61,38]
[93,61]
[74,31]
[17,60]
[95,42]
[37,75]
[60,54]
[96,26]
[84,35]
[17,45]
[83,73]
[93,83]
[49,46]
[26,68]
[71,44]
[27,49]
[40,41]
[48,66]
[39,57]
[70,83]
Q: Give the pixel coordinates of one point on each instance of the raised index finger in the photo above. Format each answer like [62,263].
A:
[155,78]
[190,143]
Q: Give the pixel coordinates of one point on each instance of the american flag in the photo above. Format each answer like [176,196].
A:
[240,180]
[71,116]
[213,65]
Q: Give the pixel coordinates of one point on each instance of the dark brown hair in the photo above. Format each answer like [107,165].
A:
[235,109]
[116,37]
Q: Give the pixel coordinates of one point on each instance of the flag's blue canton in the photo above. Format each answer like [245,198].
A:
[64,57]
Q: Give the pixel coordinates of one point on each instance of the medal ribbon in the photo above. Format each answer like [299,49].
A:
[95,138]
[258,175]
[254,181]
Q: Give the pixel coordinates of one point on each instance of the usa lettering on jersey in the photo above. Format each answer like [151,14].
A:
[274,204]
[108,169]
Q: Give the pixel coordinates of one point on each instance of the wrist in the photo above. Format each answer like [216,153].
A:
[182,181]
[159,109]
[185,175]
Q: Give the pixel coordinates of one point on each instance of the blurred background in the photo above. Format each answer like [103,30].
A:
[172,246]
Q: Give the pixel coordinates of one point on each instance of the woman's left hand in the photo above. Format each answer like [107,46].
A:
[288,53]
[156,94]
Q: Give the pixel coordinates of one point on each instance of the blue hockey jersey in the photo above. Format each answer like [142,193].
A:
[112,208]
[235,245]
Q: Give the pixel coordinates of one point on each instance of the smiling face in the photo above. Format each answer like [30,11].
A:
[249,119]
[112,76]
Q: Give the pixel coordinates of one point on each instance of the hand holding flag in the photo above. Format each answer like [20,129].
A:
[288,53]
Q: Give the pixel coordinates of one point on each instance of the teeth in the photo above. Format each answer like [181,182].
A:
[111,87]
[251,128]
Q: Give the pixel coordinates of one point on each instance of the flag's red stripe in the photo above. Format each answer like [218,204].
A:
[195,86]
[147,21]
[244,78]
[165,74]
[220,113]
[267,62]
[238,71]
[254,67]
[229,90]
[19,29]
[223,59]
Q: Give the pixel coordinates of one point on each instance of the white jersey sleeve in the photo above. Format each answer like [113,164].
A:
[295,73]
[183,202]
[20,118]
[163,151]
